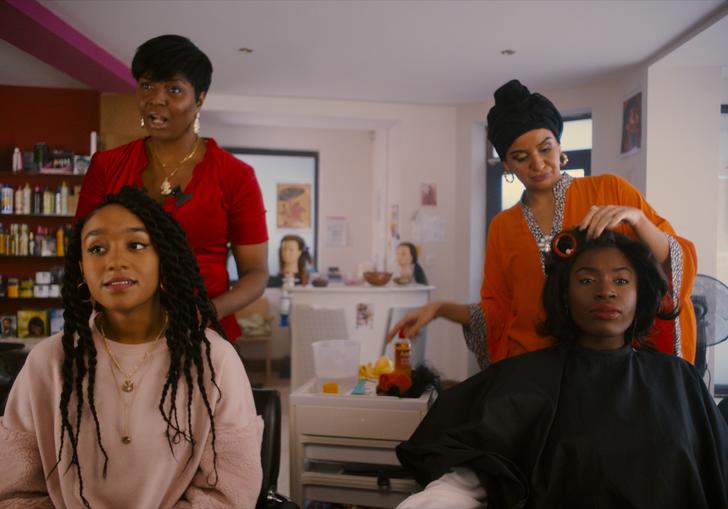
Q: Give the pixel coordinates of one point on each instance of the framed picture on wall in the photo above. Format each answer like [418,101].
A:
[631,124]
[428,194]
[293,205]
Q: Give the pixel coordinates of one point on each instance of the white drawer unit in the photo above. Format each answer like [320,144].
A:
[342,446]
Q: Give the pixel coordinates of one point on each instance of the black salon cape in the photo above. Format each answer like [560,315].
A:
[568,427]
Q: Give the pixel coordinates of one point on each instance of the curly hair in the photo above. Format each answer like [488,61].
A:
[652,287]
[183,297]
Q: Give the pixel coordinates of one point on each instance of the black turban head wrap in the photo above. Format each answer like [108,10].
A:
[517,111]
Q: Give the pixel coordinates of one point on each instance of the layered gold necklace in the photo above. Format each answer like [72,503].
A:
[166,188]
[128,384]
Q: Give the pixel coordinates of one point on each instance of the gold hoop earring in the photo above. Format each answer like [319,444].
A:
[196,124]
[78,287]
[141,122]
[563,159]
[512,176]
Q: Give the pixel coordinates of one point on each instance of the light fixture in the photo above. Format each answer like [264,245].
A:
[245,50]
[507,52]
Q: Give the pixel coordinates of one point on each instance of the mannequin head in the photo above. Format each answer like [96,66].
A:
[293,256]
[406,258]
[408,263]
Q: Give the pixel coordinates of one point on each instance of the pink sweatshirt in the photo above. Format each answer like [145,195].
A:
[144,474]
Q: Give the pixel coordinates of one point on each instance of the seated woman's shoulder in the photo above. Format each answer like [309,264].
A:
[219,346]
[46,350]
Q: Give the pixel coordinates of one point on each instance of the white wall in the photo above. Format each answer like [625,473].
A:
[345,162]
[683,160]
[411,144]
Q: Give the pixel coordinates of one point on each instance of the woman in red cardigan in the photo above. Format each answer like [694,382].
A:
[214,196]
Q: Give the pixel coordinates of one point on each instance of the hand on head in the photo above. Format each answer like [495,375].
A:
[605,217]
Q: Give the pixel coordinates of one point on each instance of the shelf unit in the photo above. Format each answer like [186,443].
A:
[347,459]
[27,266]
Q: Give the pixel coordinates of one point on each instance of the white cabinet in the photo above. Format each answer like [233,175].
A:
[342,446]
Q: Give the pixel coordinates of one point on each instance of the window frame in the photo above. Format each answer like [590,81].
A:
[292,153]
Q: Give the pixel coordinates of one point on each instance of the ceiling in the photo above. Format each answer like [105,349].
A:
[402,51]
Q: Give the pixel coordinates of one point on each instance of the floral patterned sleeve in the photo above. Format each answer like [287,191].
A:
[676,276]
[474,334]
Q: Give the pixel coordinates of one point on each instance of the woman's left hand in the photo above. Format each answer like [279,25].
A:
[600,218]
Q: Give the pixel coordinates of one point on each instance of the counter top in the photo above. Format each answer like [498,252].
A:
[339,287]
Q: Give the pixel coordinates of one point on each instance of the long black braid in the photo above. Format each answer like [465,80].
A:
[189,310]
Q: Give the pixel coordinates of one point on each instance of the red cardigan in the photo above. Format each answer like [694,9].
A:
[226,206]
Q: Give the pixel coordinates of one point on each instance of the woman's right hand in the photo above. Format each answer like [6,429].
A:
[413,321]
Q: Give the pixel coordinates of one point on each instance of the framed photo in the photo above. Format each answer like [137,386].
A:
[364,315]
[428,194]
[32,323]
[293,203]
[9,326]
[631,125]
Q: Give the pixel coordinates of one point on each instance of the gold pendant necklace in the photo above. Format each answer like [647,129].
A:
[165,189]
[128,384]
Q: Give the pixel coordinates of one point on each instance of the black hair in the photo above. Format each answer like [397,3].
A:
[36,322]
[418,272]
[183,297]
[652,287]
[160,58]
[303,261]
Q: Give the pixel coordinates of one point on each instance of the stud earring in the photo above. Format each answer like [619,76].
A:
[141,122]
[196,124]
[563,159]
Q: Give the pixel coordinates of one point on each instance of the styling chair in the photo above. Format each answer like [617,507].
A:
[268,406]
[723,407]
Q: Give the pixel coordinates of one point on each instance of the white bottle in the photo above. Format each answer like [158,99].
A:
[27,198]
[17,160]
[64,199]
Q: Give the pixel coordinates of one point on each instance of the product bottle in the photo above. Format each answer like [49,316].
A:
[18,200]
[58,200]
[50,243]
[23,240]
[59,241]
[2,240]
[37,201]
[13,240]
[47,202]
[64,199]
[402,354]
[31,244]
[17,160]
[285,307]
[27,199]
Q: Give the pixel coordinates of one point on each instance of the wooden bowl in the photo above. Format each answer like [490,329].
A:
[376,278]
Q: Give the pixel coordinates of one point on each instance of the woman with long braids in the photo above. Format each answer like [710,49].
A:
[137,403]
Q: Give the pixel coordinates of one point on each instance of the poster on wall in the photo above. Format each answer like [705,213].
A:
[631,125]
[394,223]
[336,228]
[364,315]
[293,205]
[428,194]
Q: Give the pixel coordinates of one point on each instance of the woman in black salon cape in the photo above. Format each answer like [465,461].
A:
[575,427]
